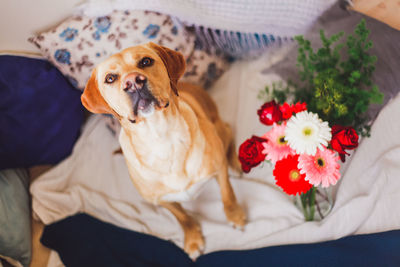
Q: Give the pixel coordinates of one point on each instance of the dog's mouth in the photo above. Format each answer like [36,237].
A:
[143,101]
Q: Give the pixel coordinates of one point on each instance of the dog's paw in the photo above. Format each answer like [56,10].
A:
[194,243]
[236,216]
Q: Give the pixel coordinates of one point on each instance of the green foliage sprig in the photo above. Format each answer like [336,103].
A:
[339,89]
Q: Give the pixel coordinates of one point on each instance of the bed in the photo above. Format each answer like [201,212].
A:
[80,205]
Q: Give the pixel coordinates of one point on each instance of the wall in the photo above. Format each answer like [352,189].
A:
[20,19]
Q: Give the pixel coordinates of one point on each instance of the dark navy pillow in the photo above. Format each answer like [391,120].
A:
[40,113]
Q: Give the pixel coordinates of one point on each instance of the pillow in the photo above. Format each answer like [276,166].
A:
[205,65]
[239,28]
[80,43]
[40,116]
[15,230]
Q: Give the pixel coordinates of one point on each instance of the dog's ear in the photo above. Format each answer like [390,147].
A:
[91,98]
[173,61]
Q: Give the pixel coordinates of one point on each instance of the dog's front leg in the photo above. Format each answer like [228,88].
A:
[194,242]
[233,211]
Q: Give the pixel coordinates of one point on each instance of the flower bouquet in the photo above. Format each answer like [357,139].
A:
[309,138]
[304,149]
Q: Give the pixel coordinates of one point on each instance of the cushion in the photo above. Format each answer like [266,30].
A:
[80,43]
[15,230]
[239,28]
[40,116]
[204,66]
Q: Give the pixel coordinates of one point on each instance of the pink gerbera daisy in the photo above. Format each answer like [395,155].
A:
[322,168]
[276,148]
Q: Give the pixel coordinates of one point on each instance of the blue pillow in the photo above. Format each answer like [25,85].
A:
[40,113]
[15,223]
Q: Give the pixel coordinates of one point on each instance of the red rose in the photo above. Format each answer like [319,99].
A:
[250,153]
[299,107]
[286,110]
[269,113]
[343,138]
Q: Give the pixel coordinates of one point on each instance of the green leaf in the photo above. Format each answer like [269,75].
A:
[339,88]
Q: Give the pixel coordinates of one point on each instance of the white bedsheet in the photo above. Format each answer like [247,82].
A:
[95,181]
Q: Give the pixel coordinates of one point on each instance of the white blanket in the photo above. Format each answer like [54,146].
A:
[95,181]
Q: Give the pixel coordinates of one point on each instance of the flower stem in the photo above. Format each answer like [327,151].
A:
[308,204]
[303,198]
[312,203]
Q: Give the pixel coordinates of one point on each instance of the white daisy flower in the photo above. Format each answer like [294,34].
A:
[306,132]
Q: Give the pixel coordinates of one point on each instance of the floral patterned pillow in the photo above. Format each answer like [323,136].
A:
[80,43]
[203,67]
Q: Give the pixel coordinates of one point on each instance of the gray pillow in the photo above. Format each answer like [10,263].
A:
[386,42]
[15,230]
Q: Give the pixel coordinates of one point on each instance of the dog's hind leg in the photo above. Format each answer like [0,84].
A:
[233,158]
[194,242]
[233,211]
[225,133]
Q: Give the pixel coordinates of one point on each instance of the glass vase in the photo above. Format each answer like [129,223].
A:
[316,203]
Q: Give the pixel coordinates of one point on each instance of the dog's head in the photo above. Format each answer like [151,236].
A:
[134,83]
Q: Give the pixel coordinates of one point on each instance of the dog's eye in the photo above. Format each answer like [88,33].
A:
[110,78]
[146,62]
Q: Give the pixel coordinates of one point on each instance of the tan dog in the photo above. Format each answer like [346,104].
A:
[172,144]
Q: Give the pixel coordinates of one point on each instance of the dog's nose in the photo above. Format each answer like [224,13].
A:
[134,81]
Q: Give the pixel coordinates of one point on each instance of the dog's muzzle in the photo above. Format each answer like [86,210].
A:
[143,101]
[134,81]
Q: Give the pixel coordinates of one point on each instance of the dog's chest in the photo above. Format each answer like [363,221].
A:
[171,157]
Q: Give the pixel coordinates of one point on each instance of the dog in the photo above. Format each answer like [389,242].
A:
[172,137]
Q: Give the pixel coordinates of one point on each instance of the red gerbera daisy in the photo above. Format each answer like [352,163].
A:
[288,176]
